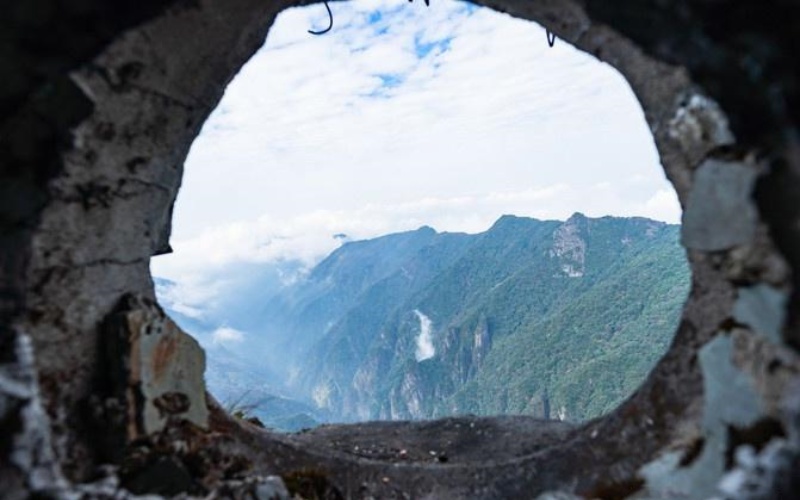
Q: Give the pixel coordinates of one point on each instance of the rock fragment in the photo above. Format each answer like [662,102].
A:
[719,213]
[157,369]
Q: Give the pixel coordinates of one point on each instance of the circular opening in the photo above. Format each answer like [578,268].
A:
[97,232]
[107,204]
[399,120]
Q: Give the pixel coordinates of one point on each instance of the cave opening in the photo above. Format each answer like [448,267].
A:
[499,206]
[106,129]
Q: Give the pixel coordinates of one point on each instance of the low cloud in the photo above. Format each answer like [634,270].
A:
[663,205]
[400,104]
[311,236]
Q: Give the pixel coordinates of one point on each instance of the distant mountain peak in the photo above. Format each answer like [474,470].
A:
[577,216]
[510,222]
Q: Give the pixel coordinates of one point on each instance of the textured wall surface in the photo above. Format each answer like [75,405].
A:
[98,107]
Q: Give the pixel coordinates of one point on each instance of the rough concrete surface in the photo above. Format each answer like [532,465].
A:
[99,103]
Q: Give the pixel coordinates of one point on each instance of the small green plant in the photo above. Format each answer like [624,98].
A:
[242,407]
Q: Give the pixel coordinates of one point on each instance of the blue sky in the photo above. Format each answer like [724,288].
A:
[405,115]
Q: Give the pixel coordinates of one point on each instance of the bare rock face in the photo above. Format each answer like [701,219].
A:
[158,369]
[569,247]
[721,197]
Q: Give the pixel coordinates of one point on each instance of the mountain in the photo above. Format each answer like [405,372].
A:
[388,270]
[550,318]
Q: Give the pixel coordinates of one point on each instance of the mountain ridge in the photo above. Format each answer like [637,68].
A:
[363,367]
[559,319]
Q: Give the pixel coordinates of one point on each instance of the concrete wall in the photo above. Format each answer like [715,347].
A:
[100,105]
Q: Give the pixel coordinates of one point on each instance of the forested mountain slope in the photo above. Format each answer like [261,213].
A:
[557,319]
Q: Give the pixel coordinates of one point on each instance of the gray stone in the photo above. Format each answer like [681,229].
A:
[719,213]
[162,367]
[730,399]
[758,476]
[730,396]
[771,472]
[700,123]
[31,463]
[271,488]
[763,308]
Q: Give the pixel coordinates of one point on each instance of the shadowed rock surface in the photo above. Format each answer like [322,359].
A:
[460,440]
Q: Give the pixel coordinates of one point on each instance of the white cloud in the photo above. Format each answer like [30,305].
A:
[309,126]
[225,335]
[663,205]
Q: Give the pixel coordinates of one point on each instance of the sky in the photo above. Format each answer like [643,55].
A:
[401,116]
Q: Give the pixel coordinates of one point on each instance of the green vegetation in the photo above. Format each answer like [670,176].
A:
[531,317]
[593,347]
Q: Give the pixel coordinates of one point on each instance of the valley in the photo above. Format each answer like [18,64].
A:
[559,320]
